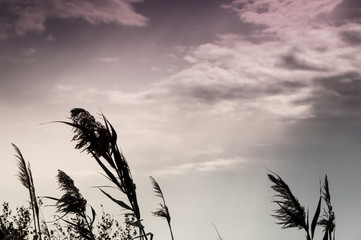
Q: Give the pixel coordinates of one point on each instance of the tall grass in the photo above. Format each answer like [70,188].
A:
[291,214]
[26,178]
[100,140]
[328,217]
[72,202]
[163,211]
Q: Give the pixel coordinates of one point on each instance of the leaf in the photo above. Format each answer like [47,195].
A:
[109,173]
[315,218]
[136,224]
[119,202]
[93,215]
[325,237]
[81,230]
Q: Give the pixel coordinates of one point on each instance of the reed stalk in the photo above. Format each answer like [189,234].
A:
[26,178]
[100,141]
[163,211]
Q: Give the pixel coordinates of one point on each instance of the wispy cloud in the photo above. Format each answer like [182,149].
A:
[50,37]
[275,77]
[280,14]
[74,93]
[212,166]
[31,16]
[275,72]
[108,59]
[28,51]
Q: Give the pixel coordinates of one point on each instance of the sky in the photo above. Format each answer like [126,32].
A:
[205,96]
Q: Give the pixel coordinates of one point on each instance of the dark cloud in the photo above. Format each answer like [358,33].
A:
[351,37]
[215,93]
[347,84]
[20,16]
[338,96]
[292,62]
[344,12]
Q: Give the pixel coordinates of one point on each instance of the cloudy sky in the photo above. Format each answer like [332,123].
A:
[205,95]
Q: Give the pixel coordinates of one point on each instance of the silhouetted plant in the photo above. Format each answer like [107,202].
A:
[72,202]
[101,142]
[328,216]
[218,234]
[291,214]
[14,227]
[163,211]
[109,228]
[26,178]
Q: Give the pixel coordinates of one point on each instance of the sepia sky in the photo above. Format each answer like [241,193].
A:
[205,96]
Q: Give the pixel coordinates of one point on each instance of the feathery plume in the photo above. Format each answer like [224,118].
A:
[26,179]
[163,210]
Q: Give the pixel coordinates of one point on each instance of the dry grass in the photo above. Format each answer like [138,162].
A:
[163,211]
[100,140]
[291,214]
[72,202]
[26,178]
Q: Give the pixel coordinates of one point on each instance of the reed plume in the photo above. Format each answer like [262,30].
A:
[72,202]
[100,140]
[328,217]
[291,214]
[163,211]
[26,178]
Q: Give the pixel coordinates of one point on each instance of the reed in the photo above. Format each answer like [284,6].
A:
[72,202]
[163,211]
[291,214]
[219,237]
[327,220]
[100,141]
[26,178]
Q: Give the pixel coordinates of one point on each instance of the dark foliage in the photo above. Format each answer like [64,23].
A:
[100,140]
[291,214]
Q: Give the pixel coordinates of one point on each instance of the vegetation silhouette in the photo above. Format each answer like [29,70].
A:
[100,141]
[163,211]
[72,202]
[26,178]
[291,214]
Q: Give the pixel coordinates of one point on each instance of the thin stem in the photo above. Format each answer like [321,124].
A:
[170,229]
[83,215]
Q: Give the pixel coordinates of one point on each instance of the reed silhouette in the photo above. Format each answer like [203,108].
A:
[100,140]
[163,211]
[291,214]
[72,202]
[26,178]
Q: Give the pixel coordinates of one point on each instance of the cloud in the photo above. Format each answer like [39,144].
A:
[50,37]
[351,37]
[338,95]
[212,166]
[275,78]
[281,14]
[108,59]
[75,93]
[292,62]
[28,51]
[31,16]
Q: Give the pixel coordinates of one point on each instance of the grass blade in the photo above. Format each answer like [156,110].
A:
[119,202]
[315,218]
